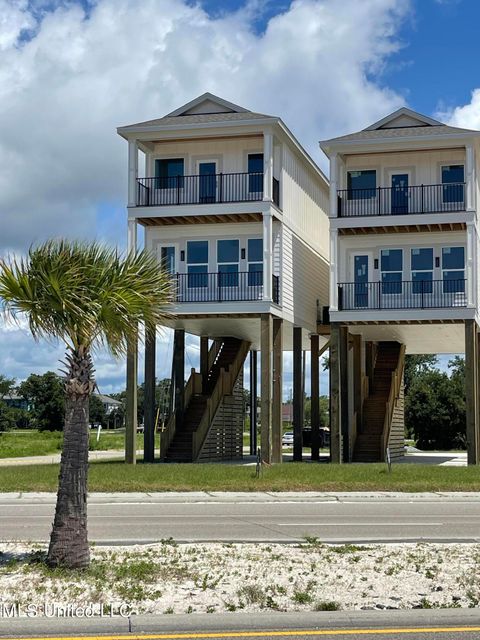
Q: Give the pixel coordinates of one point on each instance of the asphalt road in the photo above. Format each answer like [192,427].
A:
[142,518]
[446,624]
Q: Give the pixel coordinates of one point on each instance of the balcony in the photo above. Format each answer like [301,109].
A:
[407,294]
[384,201]
[223,287]
[203,189]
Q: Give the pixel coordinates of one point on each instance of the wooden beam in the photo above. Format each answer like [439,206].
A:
[277,390]
[315,395]
[131,403]
[266,387]
[298,399]
[253,402]
[335,436]
[204,360]
[471,390]
[179,375]
[344,405]
[149,395]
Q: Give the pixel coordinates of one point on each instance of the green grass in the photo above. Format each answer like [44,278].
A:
[116,476]
[18,444]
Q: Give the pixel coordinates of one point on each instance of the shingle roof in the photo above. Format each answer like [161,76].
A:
[200,118]
[400,132]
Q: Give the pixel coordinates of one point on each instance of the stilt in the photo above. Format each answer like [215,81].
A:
[149,395]
[335,435]
[357,378]
[266,387]
[471,390]
[277,390]
[344,418]
[204,360]
[315,395]
[179,375]
[131,403]
[253,402]
[298,399]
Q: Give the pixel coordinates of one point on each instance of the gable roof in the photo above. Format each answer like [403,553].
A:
[401,124]
[204,109]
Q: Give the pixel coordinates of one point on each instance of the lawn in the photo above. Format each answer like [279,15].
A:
[116,476]
[18,444]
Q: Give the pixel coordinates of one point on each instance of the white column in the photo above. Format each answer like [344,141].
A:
[132,172]
[333,270]
[470,177]
[470,270]
[267,255]
[333,185]
[132,236]
[267,166]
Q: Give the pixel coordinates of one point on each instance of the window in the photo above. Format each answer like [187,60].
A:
[197,263]
[167,172]
[453,177]
[453,269]
[392,270]
[228,253]
[255,262]
[361,184]
[422,270]
[255,168]
[167,257]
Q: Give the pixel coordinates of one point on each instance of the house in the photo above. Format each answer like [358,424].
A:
[236,211]
[109,404]
[404,249]
[15,401]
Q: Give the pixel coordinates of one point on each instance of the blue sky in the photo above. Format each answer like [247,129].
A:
[71,72]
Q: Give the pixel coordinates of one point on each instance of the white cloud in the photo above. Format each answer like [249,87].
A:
[65,88]
[467,116]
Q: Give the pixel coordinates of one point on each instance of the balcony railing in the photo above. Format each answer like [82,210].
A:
[426,198]
[203,189]
[406,294]
[223,287]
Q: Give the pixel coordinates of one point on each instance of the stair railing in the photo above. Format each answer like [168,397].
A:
[395,387]
[224,386]
[193,386]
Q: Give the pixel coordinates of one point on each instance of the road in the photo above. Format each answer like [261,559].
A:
[335,518]
[446,624]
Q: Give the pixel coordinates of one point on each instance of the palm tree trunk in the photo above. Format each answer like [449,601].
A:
[69,541]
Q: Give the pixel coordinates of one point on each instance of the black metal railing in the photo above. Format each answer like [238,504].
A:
[205,189]
[406,294]
[223,287]
[425,198]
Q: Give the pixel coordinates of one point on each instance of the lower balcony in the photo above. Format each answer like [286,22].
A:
[238,286]
[407,294]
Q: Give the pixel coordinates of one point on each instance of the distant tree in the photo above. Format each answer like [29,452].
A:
[7,414]
[97,411]
[7,385]
[46,396]
[416,365]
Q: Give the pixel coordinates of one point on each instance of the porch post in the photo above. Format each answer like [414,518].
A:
[298,399]
[204,360]
[344,412]
[266,387]
[149,395]
[268,166]
[132,172]
[179,375]
[277,390]
[253,402]
[470,177]
[315,394]
[267,255]
[335,434]
[471,390]
[132,374]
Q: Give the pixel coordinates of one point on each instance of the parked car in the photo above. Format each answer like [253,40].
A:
[287,440]
[324,437]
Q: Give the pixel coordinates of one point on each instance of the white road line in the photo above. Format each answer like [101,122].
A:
[361,524]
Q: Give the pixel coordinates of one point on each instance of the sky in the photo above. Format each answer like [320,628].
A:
[72,71]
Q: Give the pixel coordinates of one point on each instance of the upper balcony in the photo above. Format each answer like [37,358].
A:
[212,188]
[401,200]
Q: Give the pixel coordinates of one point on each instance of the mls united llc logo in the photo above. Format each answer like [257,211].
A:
[56,610]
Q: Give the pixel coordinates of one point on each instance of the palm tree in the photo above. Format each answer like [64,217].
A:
[88,296]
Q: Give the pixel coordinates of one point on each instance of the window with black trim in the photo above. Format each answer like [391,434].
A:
[169,173]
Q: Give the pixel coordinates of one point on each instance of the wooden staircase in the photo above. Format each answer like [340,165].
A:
[182,442]
[371,438]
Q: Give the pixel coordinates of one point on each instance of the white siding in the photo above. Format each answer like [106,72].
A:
[231,154]
[424,166]
[304,201]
